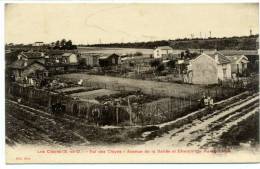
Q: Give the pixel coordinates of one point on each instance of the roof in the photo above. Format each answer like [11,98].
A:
[21,64]
[222,59]
[239,52]
[235,58]
[166,61]
[32,55]
[106,56]
[164,48]
[67,54]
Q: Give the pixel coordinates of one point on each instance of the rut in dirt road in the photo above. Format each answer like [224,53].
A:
[198,132]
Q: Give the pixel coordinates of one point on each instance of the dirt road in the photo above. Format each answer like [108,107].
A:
[207,130]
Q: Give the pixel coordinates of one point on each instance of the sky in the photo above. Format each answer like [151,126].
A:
[109,23]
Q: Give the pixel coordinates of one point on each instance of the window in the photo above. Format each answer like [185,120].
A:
[224,73]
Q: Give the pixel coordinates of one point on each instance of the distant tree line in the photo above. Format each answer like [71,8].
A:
[238,43]
[63,45]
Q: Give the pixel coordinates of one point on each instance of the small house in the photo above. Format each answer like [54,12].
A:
[70,58]
[209,69]
[31,56]
[252,56]
[107,60]
[162,52]
[90,59]
[24,69]
[238,64]
[38,44]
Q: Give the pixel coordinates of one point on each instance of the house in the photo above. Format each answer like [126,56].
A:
[30,56]
[24,69]
[70,58]
[252,55]
[238,64]
[109,60]
[38,44]
[162,51]
[91,59]
[209,69]
[57,62]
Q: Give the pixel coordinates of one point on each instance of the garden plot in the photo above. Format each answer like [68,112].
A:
[128,96]
[77,89]
[70,89]
[91,95]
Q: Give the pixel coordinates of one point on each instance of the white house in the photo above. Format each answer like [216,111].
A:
[209,68]
[162,51]
[238,63]
[70,58]
[38,44]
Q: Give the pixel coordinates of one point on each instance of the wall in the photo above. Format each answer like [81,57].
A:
[204,70]
[161,53]
[221,73]
[73,59]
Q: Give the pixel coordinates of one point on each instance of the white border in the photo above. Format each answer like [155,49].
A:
[97,166]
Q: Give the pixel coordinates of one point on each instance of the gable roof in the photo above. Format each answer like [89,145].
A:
[106,56]
[235,58]
[222,59]
[22,64]
[32,55]
[67,54]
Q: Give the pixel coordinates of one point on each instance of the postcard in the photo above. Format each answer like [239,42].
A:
[131,83]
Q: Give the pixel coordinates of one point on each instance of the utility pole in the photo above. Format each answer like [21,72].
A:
[209,34]
[192,36]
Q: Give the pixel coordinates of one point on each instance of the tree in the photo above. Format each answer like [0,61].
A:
[155,63]
[68,44]
[160,68]
[57,44]
[171,64]
[82,63]
[63,42]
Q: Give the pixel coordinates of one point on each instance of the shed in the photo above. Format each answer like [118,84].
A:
[109,60]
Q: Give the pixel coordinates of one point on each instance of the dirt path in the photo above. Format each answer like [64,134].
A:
[193,132]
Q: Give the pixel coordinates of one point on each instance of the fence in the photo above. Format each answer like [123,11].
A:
[48,101]
[165,109]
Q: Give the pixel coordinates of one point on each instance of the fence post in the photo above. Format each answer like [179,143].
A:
[190,102]
[117,119]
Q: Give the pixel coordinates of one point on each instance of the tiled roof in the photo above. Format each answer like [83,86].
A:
[32,55]
[235,58]
[21,64]
[222,59]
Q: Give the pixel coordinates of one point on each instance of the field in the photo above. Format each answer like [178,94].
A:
[119,51]
[149,87]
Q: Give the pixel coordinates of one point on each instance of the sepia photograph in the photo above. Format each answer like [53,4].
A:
[131,82]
